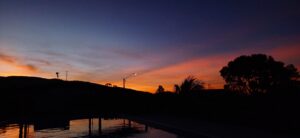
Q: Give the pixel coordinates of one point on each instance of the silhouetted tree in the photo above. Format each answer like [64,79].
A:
[108,84]
[57,75]
[190,84]
[160,89]
[257,73]
[177,88]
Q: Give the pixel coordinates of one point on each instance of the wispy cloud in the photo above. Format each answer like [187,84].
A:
[6,58]
[17,63]
[287,52]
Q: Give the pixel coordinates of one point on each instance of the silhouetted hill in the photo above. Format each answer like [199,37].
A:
[32,95]
[34,83]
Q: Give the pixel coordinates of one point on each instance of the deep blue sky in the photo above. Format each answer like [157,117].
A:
[101,41]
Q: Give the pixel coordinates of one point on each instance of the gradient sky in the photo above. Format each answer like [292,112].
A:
[163,41]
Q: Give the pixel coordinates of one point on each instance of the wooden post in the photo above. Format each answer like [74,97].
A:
[100,126]
[90,127]
[146,128]
[25,130]
[129,123]
[20,130]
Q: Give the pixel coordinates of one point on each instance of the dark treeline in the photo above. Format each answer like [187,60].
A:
[248,99]
[34,97]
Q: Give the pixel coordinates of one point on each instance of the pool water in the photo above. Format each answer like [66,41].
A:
[88,127]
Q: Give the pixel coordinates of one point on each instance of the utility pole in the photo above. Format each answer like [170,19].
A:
[124,79]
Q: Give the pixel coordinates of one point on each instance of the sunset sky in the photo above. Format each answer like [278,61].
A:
[162,41]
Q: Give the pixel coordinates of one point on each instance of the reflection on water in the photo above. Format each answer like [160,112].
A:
[91,127]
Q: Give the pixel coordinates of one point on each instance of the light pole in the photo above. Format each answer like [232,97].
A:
[125,78]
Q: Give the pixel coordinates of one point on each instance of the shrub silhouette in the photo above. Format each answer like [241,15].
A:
[189,85]
[258,73]
[160,89]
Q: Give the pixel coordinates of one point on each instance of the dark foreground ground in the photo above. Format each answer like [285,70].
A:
[193,127]
[209,113]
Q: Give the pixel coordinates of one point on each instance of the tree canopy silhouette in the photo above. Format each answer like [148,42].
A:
[160,89]
[190,84]
[176,88]
[258,73]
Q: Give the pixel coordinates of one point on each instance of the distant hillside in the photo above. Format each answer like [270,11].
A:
[34,83]
[32,95]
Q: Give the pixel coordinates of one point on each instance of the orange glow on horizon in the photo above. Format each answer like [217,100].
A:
[204,68]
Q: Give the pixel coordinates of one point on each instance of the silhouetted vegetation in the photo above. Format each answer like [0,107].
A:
[160,89]
[189,85]
[257,74]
